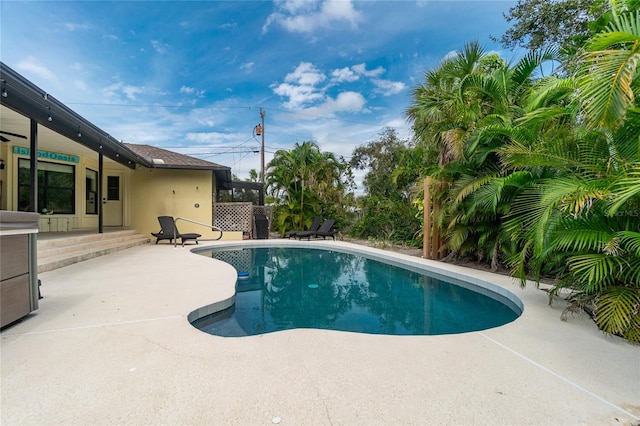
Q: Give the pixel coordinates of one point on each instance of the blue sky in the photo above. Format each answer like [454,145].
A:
[191,76]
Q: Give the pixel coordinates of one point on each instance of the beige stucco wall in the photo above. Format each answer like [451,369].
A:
[171,192]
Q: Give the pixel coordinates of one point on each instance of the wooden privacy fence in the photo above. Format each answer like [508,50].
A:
[238,216]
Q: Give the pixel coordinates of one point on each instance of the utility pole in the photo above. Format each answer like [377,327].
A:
[262,156]
[259,131]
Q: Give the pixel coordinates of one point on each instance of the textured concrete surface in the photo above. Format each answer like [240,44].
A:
[111,344]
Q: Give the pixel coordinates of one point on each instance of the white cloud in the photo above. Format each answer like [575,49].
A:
[31,66]
[118,89]
[70,26]
[300,86]
[305,74]
[248,66]
[302,16]
[192,91]
[345,102]
[297,6]
[299,96]
[362,69]
[450,55]
[159,46]
[388,88]
[344,75]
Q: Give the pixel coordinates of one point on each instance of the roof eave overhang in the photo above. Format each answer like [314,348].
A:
[34,103]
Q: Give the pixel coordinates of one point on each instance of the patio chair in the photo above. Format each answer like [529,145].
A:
[313,228]
[169,231]
[325,230]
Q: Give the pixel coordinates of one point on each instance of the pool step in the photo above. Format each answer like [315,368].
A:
[67,250]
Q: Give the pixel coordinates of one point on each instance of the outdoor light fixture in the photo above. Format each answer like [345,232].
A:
[45,96]
[49,116]
[79,132]
[4,89]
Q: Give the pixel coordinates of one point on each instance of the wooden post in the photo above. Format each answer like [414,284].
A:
[435,245]
[426,240]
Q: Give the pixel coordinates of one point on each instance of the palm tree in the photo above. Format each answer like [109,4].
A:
[461,115]
[580,221]
[302,180]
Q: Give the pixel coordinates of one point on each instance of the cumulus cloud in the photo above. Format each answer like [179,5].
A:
[306,74]
[306,88]
[301,86]
[304,16]
[344,75]
[344,102]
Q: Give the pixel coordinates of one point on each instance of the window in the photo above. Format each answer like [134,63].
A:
[56,189]
[113,188]
[91,184]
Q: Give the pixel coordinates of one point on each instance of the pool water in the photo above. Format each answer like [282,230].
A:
[286,288]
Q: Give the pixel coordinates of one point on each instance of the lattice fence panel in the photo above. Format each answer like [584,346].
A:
[233,216]
[239,259]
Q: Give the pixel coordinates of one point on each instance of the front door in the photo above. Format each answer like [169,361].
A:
[112,205]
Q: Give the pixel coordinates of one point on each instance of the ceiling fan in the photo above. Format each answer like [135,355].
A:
[3,139]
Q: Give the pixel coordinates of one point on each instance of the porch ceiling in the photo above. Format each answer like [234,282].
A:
[48,140]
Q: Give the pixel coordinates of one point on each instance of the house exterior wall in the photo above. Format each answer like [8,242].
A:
[4,156]
[171,192]
[145,193]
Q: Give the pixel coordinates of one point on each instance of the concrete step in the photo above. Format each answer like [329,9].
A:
[57,253]
[69,238]
[61,247]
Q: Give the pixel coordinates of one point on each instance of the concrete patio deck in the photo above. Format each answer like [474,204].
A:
[110,344]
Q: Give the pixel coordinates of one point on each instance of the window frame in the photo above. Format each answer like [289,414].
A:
[45,190]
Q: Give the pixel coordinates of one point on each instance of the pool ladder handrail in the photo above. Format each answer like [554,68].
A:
[213,228]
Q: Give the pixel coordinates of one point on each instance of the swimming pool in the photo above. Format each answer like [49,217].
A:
[282,288]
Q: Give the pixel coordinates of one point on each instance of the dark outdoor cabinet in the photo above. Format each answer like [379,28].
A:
[260,227]
[18,265]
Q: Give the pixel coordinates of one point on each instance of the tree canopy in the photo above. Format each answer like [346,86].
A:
[540,24]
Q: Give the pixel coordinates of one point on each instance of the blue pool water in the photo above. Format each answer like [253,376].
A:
[290,288]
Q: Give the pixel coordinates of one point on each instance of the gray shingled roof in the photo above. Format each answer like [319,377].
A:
[170,159]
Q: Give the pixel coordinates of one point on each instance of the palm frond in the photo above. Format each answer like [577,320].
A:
[625,189]
[606,85]
[596,271]
[631,241]
[617,312]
